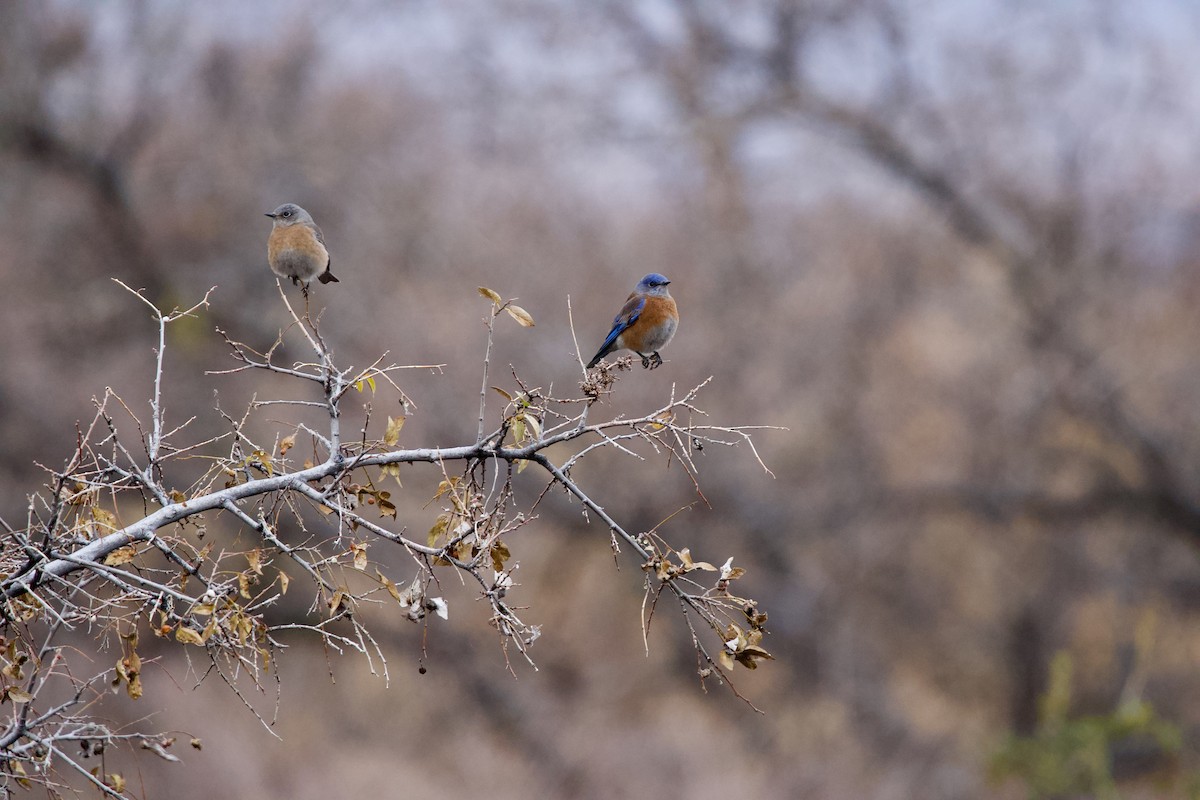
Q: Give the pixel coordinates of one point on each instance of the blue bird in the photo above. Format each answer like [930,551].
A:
[646,323]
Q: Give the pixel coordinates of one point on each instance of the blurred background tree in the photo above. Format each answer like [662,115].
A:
[949,245]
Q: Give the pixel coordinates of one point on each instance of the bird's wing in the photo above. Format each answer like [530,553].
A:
[329,259]
[629,315]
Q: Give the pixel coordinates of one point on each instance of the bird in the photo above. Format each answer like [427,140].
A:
[296,248]
[646,323]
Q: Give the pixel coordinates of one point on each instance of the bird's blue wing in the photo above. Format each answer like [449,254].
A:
[629,315]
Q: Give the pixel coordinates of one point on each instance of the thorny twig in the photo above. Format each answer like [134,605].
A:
[116,548]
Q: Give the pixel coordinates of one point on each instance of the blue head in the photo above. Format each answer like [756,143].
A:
[653,284]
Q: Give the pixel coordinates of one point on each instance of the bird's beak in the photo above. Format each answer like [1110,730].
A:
[269,214]
[666,283]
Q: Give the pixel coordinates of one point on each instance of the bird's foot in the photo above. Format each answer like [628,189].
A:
[652,361]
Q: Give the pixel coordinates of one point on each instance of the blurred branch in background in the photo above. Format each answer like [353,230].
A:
[952,247]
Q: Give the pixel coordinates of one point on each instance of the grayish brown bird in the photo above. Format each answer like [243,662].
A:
[296,248]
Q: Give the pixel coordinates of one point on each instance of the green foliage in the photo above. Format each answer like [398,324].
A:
[1072,756]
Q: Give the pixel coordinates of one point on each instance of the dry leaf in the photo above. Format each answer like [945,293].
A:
[122,555]
[18,695]
[392,435]
[186,635]
[520,315]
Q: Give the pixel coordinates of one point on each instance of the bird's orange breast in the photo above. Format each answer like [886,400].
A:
[296,237]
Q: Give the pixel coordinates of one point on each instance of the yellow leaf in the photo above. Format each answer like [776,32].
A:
[662,420]
[196,743]
[122,555]
[392,435]
[522,463]
[287,443]
[186,635]
[394,471]
[439,529]
[535,427]
[264,458]
[19,771]
[203,610]
[520,315]
[254,557]
[177,496]
[371,383]
[490,295]
[502,393]
[284,581]
[104,519]
[115,782]
[518,429]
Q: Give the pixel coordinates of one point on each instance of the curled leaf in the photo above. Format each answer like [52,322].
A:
[360,555]
[17,694]
[522,316]
[186,635]
[490,295]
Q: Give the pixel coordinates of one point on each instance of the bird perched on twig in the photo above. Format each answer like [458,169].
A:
[646,323]
[296,248]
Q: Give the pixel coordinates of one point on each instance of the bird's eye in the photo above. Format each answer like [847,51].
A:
[287,213]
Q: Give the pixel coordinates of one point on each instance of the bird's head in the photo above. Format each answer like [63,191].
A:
[290,214]
[653,284]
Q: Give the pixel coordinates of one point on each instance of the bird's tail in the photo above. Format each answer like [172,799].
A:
[327,277]
[599,355]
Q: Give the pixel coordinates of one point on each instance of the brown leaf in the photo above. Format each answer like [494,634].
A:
[122,555]
[499,553]
[360,555]
[749,656]
[391,587]
[490,295]
[287,443]
[335,602]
